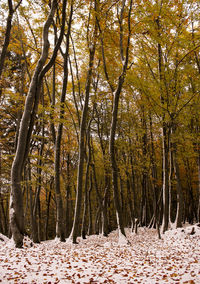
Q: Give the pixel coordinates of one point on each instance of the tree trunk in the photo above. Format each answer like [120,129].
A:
[33,221]
[154,181]
[26,126]
[97,221]
[7,37]
[179,211]
[90,223]
[115,114]
[48,201]
[68,207]
[106,177]
[35,232]
[60,231]
[133,187]
[105,229]
[191,210]
[198,212]
[165,136]
[129,197]
[143,210]
[75,228]
[165,153]
[171,171]
[85,211]
[113,159]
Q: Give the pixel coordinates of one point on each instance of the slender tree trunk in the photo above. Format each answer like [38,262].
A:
[165,153]
[179,212]
[85,211]
[115,114]
[90,222]
[32,217]
[68,207]
[106,177]
[3,217]
[97,224]
[129,197]
[60,231]
[165,136]
[133,187]
[105,229]
[143,214]
[35,232]
[198,161]
[7,37]
[26,126]
[75,228]
[154,181]
[171,170]
[48,201]
[113,156]
[121,196]
[191,210]
[124,54]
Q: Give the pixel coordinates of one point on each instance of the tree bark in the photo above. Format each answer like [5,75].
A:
[165,137]
[165,153]
[27,121]
[7,37]
[48,201]
[75,228]
[124,58]
[113,157]
[143,210]
[179,211]
[156,204]
[85,211]
[90,223]
[60,231]
[198,161]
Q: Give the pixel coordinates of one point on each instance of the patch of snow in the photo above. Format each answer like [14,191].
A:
[11,212]
[27,242]
[123,241]
[108,245]
[3,238]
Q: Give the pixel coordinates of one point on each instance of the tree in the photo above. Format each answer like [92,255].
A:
[12,10]
[16,199]
[92,48]
[60,232]
[124,52]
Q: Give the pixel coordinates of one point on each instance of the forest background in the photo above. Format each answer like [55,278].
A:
[99,116]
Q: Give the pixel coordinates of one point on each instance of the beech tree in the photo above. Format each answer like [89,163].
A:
[11,12]
[124,52]
[16,200]
[91,47]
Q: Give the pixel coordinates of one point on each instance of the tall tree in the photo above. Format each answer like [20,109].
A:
[124,52]
[26,126]
[91,48]
[11,12]
[60,231]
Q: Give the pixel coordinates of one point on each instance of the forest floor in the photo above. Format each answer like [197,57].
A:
[146,259]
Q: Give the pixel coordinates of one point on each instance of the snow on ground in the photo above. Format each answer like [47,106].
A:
[146,259]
